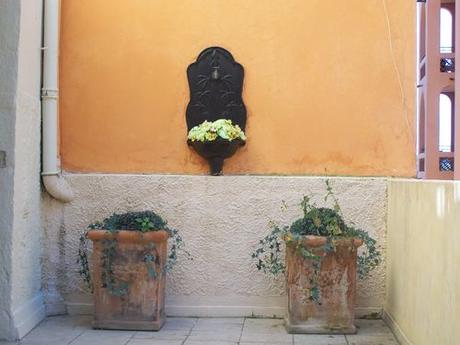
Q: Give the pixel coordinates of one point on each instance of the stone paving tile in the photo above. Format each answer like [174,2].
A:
[179,323]
[155,342]
[220,320]
[44,342]
[65,330]
[57,330]
[209,327]
[218,323]
[213,342]
[103,337]
[372,327]
[164,334]
[217,335]
[263,322]
[51,338]
[314,339]
[260,326]
[269,338]
[264,343]
[371,339]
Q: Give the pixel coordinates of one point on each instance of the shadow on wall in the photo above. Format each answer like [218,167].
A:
[221,219]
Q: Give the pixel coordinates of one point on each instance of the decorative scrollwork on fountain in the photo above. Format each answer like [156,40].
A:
[216,86]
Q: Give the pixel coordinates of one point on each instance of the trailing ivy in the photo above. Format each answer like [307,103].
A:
[83,261]
[145,221]
[316,221]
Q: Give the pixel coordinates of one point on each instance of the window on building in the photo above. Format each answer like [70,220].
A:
[436,90]
[446,31]
[445,123]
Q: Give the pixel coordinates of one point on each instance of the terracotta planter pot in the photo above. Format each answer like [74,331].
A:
[336,281]
[142,307]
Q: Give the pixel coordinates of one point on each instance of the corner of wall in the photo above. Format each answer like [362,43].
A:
[28,315]
[21,300]
[396,329]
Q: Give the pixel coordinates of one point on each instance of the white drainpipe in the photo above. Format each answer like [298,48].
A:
[54,183]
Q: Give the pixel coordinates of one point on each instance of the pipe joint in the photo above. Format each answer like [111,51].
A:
[58,188]
[49,93]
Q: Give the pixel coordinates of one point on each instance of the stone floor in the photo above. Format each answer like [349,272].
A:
[77,330]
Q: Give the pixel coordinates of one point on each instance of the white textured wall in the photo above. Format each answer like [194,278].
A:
[423,275]
[9,39]
[21,301]
[221,220]
[27,223]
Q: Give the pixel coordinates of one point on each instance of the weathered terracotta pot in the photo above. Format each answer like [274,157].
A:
[336,281]
[142,307]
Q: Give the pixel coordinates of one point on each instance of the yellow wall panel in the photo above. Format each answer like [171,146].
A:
[329,85]
[423,256]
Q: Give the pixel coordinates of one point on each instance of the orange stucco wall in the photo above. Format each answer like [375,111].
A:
[329,85]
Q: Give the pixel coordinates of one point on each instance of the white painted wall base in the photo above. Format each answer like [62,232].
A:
[79,308]
[205,306]
[226,306]
[28,315]
[54,303]
[397,331]
[187,306]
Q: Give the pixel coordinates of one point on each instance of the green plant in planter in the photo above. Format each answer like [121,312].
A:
[145,221]
[316,221]
[210,131]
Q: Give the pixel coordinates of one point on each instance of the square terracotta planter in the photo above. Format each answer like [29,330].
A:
[142,306]
[336,280]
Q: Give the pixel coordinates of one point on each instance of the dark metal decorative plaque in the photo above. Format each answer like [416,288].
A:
[216,85]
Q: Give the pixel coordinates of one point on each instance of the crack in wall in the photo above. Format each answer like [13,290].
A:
[397,72]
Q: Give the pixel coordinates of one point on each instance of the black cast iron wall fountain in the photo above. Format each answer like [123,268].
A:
[216,85]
